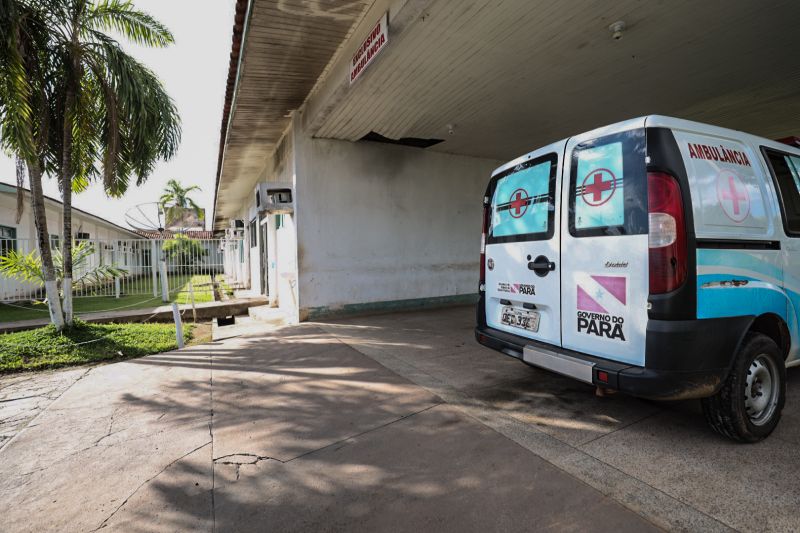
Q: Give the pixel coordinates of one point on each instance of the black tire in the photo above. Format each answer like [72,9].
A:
[727,411]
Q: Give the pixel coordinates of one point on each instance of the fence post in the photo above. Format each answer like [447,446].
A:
[153,257]
[191,299]
[176,316]
[164,283]
[116,287]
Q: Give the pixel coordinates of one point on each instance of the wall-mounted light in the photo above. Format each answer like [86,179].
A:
[616,29]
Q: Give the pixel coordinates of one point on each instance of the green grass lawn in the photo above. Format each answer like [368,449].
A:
[226,289]
[45,348]
[179,293]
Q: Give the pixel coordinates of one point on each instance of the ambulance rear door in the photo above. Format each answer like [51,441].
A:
[604,244]
[523,293]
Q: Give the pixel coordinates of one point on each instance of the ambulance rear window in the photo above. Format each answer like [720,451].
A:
[608,186]
[523,203]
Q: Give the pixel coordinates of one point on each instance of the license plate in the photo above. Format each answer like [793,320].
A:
[518,318]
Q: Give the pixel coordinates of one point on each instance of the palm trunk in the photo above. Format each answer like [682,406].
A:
[43,238]
[66,195]
[67,171]
[66,253]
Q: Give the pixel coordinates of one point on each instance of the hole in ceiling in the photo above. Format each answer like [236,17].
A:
[416,142]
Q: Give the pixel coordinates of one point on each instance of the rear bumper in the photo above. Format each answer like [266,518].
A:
[683,360]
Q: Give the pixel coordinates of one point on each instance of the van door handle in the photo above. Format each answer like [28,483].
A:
[541,266]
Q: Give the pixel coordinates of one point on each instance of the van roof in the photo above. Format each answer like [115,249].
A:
[663,122]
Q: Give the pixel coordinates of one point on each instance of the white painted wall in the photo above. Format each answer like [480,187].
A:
[379,222]
[281,269]
[97,228]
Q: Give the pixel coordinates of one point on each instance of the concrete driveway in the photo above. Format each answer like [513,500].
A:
[393,422]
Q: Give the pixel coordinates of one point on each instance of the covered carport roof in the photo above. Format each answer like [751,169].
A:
[515,75]
[510,76]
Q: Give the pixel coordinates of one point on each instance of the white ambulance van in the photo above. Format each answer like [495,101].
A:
[658,257]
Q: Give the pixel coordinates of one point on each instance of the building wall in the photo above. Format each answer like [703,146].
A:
[80,222]
[385,226]
[26,236]
[280,246]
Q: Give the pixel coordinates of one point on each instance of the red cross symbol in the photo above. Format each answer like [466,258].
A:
[518,204]
[730,189]
[598,186]
[734,195]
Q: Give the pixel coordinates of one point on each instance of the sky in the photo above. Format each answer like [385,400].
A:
[194,71]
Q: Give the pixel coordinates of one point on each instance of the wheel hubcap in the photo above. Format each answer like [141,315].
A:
[761,390]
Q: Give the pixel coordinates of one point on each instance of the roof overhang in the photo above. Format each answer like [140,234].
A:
[280,49]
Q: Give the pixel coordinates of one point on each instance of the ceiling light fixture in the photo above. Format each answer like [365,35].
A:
[616,29]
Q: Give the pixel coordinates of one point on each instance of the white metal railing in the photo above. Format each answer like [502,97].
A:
[144,262]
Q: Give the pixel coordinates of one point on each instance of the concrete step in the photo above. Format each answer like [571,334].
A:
[270,315]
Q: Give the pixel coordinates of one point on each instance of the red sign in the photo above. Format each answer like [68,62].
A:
[595,186]
[374,43]
[718,153]
[518,204]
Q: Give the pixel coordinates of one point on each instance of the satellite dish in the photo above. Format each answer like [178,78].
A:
[148,216]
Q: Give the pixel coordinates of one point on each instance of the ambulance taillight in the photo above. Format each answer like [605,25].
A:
[484,232]
[667,236]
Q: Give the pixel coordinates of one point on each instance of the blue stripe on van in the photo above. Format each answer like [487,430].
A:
[763,293]
[752,260]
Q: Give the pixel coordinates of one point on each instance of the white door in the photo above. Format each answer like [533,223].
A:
[522,251]
[604,246]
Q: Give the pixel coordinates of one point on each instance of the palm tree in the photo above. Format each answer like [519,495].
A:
[26,67]
[176,195]
[28,267]
[109,108]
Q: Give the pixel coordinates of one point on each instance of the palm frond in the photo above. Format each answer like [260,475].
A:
[135,25]
[99,274]
[149,125]
[22,267]
[16,93]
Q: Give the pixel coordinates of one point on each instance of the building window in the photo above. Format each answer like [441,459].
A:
[786,172]
[8,239]
[55,242]
[81,236]
[278,221]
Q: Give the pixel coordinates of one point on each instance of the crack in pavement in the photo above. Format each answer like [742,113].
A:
[26,398]
[104,523]
[211,436]
[110,427]
[5,444]
[239,459]
[245,459]
[248,459]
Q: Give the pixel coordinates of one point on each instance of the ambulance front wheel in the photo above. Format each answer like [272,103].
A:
[748,406]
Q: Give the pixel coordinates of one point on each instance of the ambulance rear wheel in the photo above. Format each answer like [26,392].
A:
[748,406]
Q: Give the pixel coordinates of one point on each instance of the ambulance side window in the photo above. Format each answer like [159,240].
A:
[523,201]
[786,173]
[608,186]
